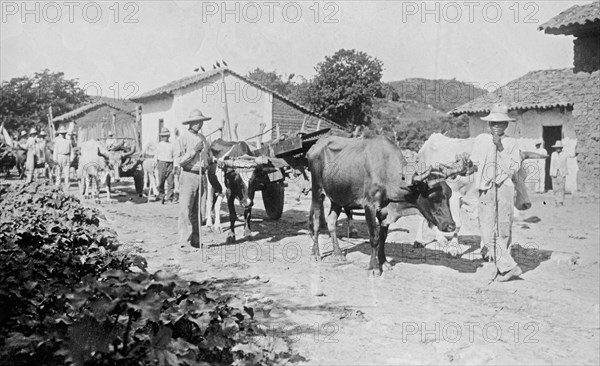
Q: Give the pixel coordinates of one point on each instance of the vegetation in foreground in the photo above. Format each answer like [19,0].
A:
[68,297]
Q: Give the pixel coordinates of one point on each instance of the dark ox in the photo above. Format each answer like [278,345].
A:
[370,173]
[231,183]
[99,167]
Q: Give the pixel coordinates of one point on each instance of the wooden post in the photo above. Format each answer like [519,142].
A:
[225,107]
[50,123]
[235,126]
[261,130]
[303,124]
[114,123]
[319,125]
[222,128]
[277,129]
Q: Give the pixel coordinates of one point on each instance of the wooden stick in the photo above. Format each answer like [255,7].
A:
[318,125]
[303,124]
[225,107]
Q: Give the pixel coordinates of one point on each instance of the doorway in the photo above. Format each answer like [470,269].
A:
[550,134]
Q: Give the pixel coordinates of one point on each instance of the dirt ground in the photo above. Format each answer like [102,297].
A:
[430,309]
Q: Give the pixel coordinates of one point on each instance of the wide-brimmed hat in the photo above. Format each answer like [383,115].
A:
[195,116]
[558,144]
[61,129]
[165,132]
[33,131]
[498,113]
[43,133]
[110,133]
[23,133]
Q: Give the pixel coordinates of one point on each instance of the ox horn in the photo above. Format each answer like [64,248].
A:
[420,177]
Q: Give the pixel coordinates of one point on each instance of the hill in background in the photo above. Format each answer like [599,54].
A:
[413,109]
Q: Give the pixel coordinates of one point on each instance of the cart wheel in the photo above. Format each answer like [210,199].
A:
[273,199]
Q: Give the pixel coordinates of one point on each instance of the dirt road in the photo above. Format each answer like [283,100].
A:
[430,309]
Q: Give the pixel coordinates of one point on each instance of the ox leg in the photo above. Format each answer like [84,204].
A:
[108,187]
[383,232]
[352,231]
[334,213]
[371,219]
[314,222]
[232,217]
[209,205]
[218,213]
[248,216]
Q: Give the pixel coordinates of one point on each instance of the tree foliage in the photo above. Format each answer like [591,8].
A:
[25,100]
[272,80]
[344,87]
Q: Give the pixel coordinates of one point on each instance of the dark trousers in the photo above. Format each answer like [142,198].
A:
[165,174]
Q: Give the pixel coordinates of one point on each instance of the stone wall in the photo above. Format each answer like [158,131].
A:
[587,54]
[587,114]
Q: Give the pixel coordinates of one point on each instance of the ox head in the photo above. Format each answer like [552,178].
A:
[431,194]
[239,182]
[116,160]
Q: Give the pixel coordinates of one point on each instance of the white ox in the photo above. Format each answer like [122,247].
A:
[99,166]
[439,149]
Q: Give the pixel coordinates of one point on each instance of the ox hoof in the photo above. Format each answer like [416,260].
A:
[374,272]
[218,229]
[339,257]
[354,234]
[230,240]
[316,258]
[386,266]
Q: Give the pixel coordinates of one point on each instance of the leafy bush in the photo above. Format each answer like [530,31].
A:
[68,297]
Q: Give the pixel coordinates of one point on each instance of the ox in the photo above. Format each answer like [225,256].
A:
[98,166]
[231,183]
[439,149]
[370,173]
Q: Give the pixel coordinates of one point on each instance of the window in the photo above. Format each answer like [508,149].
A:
[161,124]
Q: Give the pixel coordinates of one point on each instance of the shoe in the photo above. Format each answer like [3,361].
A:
[515,272]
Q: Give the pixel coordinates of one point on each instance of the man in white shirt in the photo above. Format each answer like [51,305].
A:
[188,153]
[498,158]
[558,172]
[31,155]
[62,155]
[165,154]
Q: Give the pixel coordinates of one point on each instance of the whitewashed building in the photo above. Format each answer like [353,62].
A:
[235,103]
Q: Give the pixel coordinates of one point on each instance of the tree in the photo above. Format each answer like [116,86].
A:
[272,80]
[25,100]
[344,87]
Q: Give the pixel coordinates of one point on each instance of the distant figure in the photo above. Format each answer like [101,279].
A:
[176,168]
[40,151]
[31,157]
[164,164]
[110,143]
[558,172]
[62,155]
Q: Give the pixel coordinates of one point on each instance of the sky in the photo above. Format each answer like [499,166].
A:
[124,48]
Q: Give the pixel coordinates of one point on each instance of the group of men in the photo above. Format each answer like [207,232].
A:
[558,171]
[35,146]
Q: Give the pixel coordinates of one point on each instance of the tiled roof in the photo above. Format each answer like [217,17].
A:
[576,17]
[119,104]
[169,88]
[542,89]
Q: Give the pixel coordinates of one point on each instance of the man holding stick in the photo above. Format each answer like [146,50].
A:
[188,152]
[498,158]
[62,155]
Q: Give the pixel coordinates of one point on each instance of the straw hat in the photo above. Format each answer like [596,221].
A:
[23,133]
[195,116]
[43,133]
[61,130]
[165,132]
[32,131]
[498,113]
[558,144]
[110,133]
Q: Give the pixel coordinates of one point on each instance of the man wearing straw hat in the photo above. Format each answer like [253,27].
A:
[498,159]
[540,186]
[558,172]
[164,164]
[188,153]
[62,155]
[40,151]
